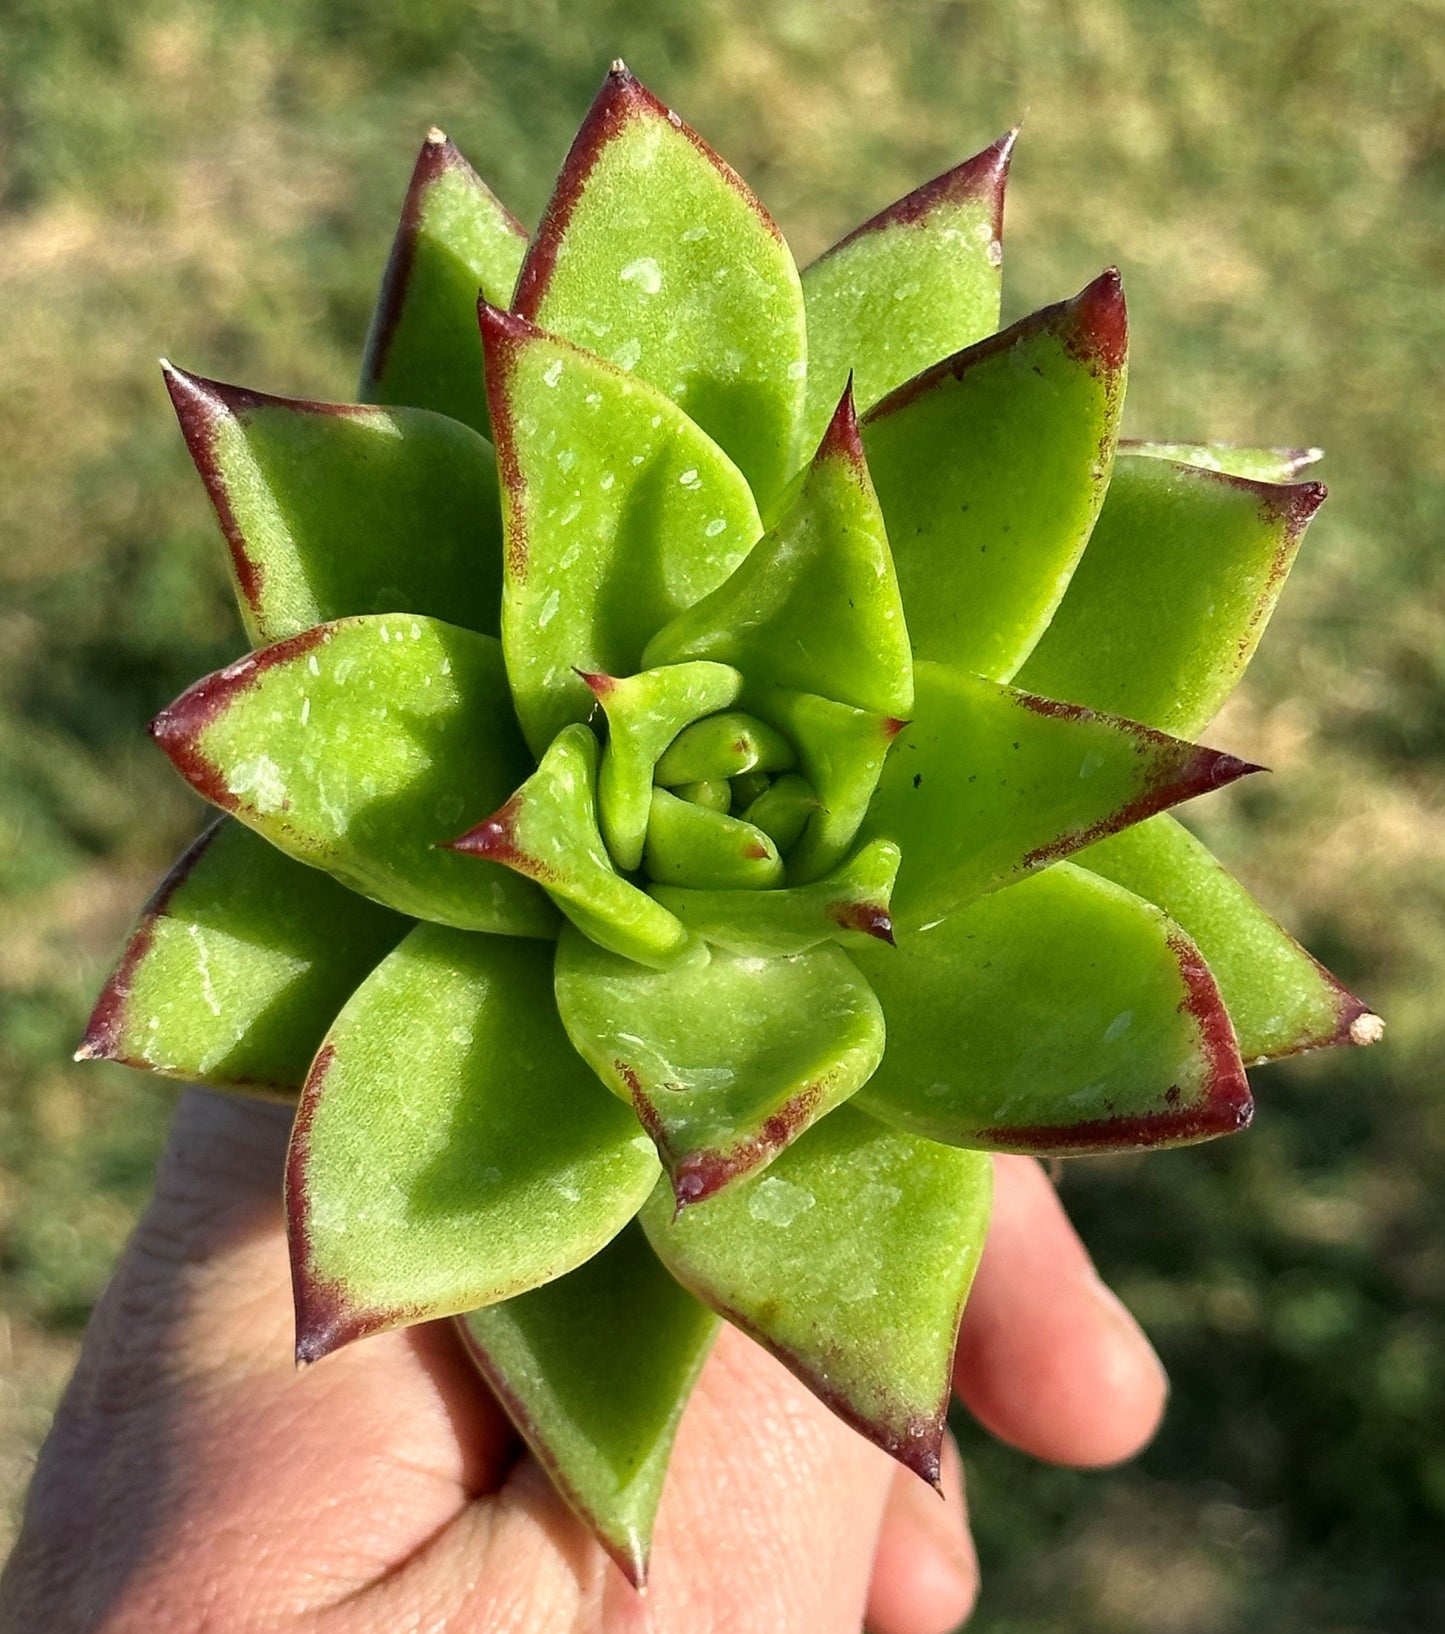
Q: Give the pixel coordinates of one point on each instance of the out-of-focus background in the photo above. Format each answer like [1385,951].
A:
[219,183]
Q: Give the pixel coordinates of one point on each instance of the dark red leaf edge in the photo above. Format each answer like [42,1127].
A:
[984,177]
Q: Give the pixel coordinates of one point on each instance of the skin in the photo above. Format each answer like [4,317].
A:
[194,1484]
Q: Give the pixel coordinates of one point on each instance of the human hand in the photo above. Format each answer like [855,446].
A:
[193,1481]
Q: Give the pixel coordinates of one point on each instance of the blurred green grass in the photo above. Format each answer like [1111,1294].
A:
[220,184]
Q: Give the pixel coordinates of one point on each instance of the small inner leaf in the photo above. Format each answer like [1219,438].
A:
[548,832]
[237,967]
[594,1370]
[645,713]
[988,783]
[687,844]
[841,751]
[1059,1015]
[450,1149]
[455,238]
[850,1259]
[619,512]
[1280,1000]
[727,1059]
[781,809]
[655,254]
[1168,604]
[331,510]
[991,468]
[360,747]
[917,283]
[723,746]
[814,605]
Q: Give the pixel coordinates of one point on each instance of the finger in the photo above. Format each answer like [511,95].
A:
[769,1520]
[1048,1359]
[925,1571]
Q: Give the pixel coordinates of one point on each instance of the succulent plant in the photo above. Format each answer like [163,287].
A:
[694,795]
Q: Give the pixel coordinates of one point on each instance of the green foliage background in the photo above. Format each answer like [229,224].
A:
[219,183]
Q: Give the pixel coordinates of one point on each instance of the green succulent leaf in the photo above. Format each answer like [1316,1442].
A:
[723,746]
[330,509]
[849,906]
[918,282]
[645,713]
[1260,464]
[726,1059]
[841,751]
[991,468]
[619,512]
[850,1260]
[814,605]
[359,747]
[450,1149]
[655,254]
[454,239]
[782,808]
[548,832]
[1060,1015]
[594,1370]
[988,783]
[1280,1000]
[1168,604]
[237,966]
[687,844]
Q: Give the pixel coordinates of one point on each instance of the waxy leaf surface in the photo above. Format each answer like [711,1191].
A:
[915,284]
[987,783]
[724,1059]
[1168,604]
[237,967]
[814,605]
[450,1149]
[330,510]
[849,906]
[645,712]
[548,832]
[1280,1000]
[594,1370]
[360,747]
[618,513]
[850,1260]
[654,254]
[1260,464]
[454,239]
[1060,1015]
[991,468]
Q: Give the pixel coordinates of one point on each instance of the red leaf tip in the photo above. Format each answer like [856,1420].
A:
[870,918]
[842,440]
[598,684]
[1099,322]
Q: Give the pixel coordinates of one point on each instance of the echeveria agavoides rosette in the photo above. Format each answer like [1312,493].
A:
[688,697]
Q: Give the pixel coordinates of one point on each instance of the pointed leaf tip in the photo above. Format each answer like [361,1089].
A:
[1099,320]
[868,918]
[842,439]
